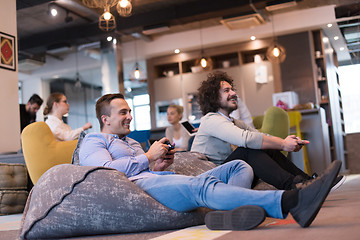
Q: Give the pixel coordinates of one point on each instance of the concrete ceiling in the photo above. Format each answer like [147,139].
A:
[76,24]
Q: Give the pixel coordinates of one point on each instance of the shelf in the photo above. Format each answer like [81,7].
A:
[167,70]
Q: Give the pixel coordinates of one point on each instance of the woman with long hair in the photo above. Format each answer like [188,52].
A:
[176,133]
[56,107]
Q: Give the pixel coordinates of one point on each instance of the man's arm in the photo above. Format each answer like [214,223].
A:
[290,143]
[95,151]
[219,127]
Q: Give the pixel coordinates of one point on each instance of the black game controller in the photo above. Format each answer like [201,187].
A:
[171,147]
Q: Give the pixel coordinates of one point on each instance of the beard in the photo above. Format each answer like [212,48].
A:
[228,106]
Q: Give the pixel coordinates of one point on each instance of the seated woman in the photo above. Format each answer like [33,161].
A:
[56,107]
[176,133]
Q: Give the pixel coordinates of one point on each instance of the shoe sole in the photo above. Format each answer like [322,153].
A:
[336,186]
[304,217]
[241,218]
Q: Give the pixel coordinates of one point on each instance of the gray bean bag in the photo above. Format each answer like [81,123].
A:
[71,200]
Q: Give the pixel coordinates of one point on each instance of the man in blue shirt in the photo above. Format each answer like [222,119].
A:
[225,188]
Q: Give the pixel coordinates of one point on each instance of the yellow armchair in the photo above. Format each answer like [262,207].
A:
[41,150]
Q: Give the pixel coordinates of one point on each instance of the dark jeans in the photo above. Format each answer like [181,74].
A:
[269,165]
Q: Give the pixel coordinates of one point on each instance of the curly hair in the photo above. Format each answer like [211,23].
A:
[208,92]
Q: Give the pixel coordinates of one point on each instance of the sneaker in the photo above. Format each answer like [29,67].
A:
[313,196]
[338,182]
[241,218]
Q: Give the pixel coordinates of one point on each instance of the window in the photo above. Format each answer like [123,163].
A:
[350,84]
[140,106]
[20,92]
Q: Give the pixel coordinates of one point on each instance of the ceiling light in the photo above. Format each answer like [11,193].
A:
[336,38]
[329,25]
[253,38]
[109,38]
[203,62]
[107,15]
[177,51]
[124,8]
[342,49]
[137,72]
[107,21]
[114,41]
[53,12]
[276,52]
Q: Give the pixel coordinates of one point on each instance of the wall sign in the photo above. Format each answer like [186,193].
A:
[7,51]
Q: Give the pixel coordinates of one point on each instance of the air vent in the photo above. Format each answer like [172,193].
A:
[246,21]
[279,4]
[27,65]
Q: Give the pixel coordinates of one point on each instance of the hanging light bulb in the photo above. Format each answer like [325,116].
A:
[137,71]
[124,8]
[107,21]
[276,52]
[203,62]
[107,15]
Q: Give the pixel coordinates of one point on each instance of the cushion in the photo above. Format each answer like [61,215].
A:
[13,176]
[12,201]
[75,157]
[95,200]
[190,163]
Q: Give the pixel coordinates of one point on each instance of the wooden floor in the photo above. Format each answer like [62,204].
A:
[339,218]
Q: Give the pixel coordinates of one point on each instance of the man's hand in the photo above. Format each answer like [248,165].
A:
[293,144]
[162,163]
[301,143]
[87,126]
[160,154]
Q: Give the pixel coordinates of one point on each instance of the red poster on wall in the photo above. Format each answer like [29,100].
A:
[7,51]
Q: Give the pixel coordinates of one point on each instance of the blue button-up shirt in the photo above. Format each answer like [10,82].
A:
[108,150]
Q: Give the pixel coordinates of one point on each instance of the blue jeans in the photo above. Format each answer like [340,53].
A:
[222,188]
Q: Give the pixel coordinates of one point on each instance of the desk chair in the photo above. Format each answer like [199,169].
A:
[42,151]
[295,119]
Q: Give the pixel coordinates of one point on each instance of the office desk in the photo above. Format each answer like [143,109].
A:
[315,129]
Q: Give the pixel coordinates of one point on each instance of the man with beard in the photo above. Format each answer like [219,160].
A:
[28,111]
[218,131]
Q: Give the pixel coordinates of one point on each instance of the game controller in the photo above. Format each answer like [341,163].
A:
[171,147]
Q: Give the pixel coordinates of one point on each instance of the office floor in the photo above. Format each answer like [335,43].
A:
[339,218]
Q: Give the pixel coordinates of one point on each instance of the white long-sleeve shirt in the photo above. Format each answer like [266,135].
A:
[217,132]
[61,130]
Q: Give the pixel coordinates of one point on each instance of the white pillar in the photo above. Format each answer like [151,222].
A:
[9,94]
